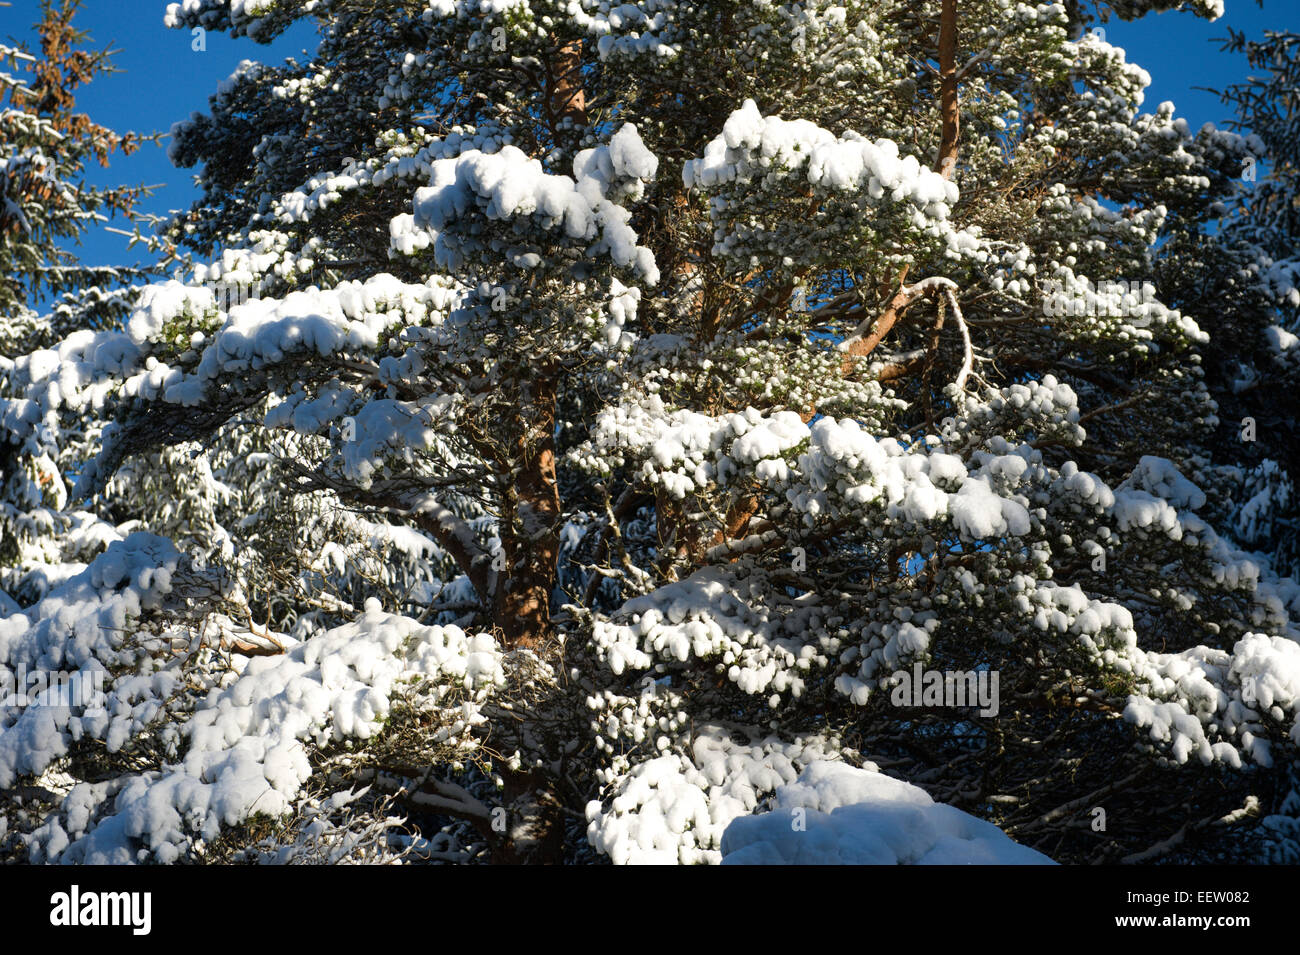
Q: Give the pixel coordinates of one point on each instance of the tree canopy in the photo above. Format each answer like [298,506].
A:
[618,404]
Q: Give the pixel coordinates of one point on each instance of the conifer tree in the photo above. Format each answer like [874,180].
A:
[638,401]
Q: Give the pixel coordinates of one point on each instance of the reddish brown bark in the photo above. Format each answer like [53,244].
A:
[887,320]
[568,98]
[738,517]
[672,534]
[529,521]
[945,163]
[948,99]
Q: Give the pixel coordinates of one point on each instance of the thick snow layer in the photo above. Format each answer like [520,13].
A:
[1202,694]
[508,185]
[84,626]
[832,463]
[761,170]
[706,616]
[836,814]
[752,145]
[254,336]
[83,370]
[622,167]
[245,748]
[262,331]
[1201,703]
[1160,477]
[1280,340]
[673,810]
[245,16]
[160,304]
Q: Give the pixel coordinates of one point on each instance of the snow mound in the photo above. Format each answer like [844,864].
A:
[836,814]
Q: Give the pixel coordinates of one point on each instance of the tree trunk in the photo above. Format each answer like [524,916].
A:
[568,97]
[949,102]
[529,520]
[534,822]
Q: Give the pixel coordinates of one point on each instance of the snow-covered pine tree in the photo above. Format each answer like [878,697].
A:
[1261,374]
[1258,378]
[733,358]
[46,206]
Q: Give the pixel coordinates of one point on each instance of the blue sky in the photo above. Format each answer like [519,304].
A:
[1181,53]
[163,79]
